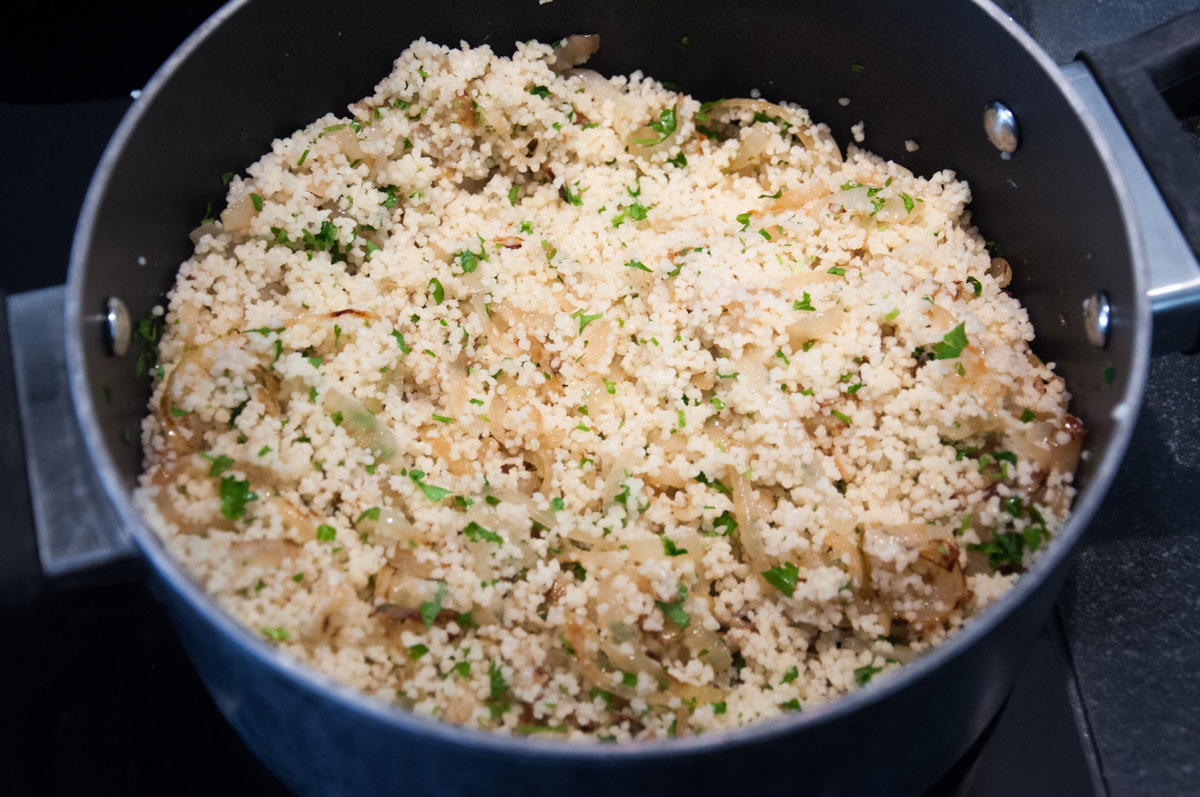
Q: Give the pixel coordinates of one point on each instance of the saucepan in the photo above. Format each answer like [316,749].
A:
[960,79]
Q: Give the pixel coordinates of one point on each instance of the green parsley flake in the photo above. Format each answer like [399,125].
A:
[235,494]
[429,609]
[670,548]
[404,347]
[468,260]
[674,612]
[434,494]
[584,319]
[326,533]
[864,674]
[665,125]
[477,533]
[220,464]
[725,524]
[804,304]
[497,686]
[951,344]
[783,578]
[603,696]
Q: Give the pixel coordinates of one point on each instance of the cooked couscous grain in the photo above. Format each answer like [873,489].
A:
[543,401]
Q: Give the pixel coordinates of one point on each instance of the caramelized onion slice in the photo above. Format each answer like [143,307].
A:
[574,50]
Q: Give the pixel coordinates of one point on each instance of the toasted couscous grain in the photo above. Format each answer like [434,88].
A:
[542,401]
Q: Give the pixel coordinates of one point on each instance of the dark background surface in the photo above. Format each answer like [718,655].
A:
[100,698]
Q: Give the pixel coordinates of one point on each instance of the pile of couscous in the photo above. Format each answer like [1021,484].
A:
[547,402]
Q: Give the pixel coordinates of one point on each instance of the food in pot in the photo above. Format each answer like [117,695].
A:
[546,402]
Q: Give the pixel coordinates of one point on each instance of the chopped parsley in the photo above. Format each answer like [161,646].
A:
[572,197]
[951,344]
[804,304]
[235,494]
[716,484]
[864,674]
[665,125]
[220,463]
[605,697]
[477,533]
[674,610]
[326,533]
[725,524]
[585,319]
[639,265]
[670,548]
[431,492]
[404,347]
[497,688]
[1006,548]
[577,569]
[429,609]
[468,260]
[783,578]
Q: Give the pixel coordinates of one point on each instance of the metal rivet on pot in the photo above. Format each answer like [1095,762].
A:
[1097,317]
[117,326]
[1001,127]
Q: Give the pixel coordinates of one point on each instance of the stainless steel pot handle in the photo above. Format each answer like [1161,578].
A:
[1130,88]
[79,536]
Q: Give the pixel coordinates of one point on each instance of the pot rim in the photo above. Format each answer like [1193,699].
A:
[558,752]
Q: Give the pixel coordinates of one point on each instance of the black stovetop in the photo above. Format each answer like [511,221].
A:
[100,697]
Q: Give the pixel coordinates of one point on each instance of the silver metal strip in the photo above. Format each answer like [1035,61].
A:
[77,528]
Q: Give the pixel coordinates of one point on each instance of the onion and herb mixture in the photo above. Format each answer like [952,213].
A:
[545,402]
